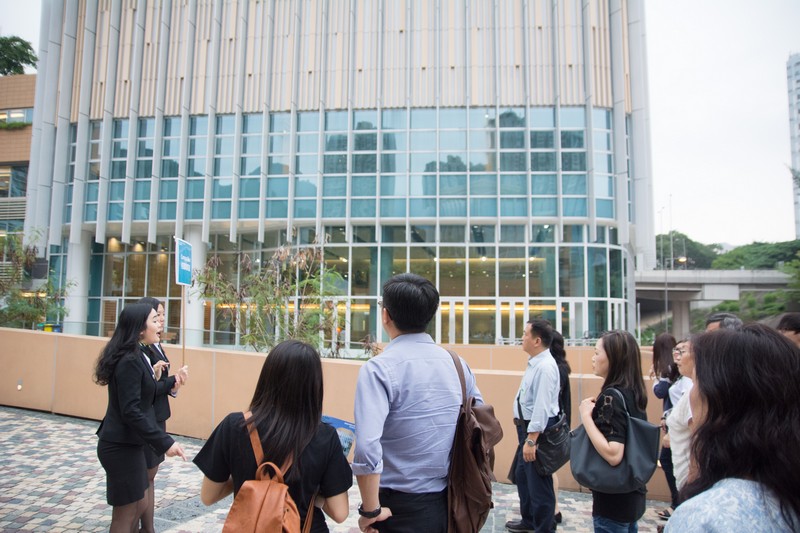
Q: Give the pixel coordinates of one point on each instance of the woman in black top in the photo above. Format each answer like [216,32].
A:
[564,396]
[166,386]
[617,359]
[287,411]
[129,425]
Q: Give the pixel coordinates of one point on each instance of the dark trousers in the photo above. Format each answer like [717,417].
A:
[666,465]
[426,513]
[537,500]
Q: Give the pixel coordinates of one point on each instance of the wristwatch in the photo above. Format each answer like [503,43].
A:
[368,514]
[530,442]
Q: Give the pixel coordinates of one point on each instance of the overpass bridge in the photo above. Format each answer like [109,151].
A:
[664,291]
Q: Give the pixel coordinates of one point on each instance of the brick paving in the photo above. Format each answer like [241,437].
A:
[52,481]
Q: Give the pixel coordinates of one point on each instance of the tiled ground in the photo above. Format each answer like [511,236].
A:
[50,480]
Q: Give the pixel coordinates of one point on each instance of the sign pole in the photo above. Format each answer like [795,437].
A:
[183,277]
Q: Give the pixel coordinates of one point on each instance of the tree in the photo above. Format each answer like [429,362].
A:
[289,297]
[15,54]
[697,255]
[24,300]
[758,256]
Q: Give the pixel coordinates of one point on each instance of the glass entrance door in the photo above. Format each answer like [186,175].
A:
[450,322]
[512,315]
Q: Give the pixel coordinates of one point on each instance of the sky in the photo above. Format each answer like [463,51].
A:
[719,116]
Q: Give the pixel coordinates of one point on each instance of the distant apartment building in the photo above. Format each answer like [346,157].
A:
[500,149]
[793,78]
[16,117]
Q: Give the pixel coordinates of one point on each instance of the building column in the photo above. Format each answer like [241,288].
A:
[680,319]
[77,300]
[194,302]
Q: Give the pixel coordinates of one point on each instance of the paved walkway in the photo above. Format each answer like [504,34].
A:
[50,480]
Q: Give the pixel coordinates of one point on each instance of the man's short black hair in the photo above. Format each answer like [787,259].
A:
[789,322]
[726,320]
[411,302]
[542,329]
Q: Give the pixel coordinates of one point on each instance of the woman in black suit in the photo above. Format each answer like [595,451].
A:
[130,424]
[166,386]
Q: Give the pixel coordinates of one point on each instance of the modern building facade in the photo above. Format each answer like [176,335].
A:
[793,80]
[16,117]
[500,149]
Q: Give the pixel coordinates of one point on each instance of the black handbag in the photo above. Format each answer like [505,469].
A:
[642,446]
[552,447]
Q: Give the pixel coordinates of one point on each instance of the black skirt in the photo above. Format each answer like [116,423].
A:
[126,471]
[151,458]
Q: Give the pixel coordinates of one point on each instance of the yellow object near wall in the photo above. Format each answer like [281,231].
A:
[53,372]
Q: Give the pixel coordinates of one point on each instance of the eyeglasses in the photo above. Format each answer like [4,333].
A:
[680,351]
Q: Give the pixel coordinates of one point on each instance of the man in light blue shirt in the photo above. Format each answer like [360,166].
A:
[535,409]
[406,408]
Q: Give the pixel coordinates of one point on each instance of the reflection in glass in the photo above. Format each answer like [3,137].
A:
[570,271]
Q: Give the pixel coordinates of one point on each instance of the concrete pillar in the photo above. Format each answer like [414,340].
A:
[681,326]
[193,309]
[77,300]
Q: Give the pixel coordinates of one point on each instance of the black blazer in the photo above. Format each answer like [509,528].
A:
[130,418]
[163,386]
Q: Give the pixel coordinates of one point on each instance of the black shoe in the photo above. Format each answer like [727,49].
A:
[518,526]
[558,517]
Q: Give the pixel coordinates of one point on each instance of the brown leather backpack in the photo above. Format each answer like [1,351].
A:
[264,504]
[469,480]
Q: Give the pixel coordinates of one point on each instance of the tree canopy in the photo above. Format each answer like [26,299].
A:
[697,254]
[758,256]
[15,54]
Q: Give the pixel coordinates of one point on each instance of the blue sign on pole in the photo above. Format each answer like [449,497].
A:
[183,262]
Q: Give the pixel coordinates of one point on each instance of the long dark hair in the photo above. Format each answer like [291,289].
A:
[153,302]
[132,321]
[750,382]
[558,352]
[287,402]
[624,365]
[663,364]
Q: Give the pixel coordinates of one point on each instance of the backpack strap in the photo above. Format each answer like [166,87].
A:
[460,370]
[255,441]
[258,451]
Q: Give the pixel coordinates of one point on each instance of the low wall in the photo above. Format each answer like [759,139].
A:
[53,372]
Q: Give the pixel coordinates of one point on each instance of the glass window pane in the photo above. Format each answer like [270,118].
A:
[573,233]
[423,119]
[543,161]
[221,188]
[335,164]
[394,141]
[249,188]
[336,120]
[572,117]
[308,121]
[278,165]
[483,207]
[452,162]
[363,186]
[482,140]
[542,117]
[421,233]
[571,271]
[450,117]
[198,125]
[453,207]
[221,210]
[605,208]
[512,268]
[141,190]
[512,139]
[365,142]
[365,163]
[334,186]
[482,265]
[393,119]
[452,140]
[597,269]
[391,163]
[423,140]
[543,207]
[393,185]
[453,185]
[512,233]
[424,185]
[223,146]
[305,208]
[305,186]
[197,167]
[515,162]
[544,184]
[248,209]
[223,166]
[574,207]
[573,161]
[482,118]
[572,139]
[308,143]
[307,164]
[336,142]
[482,233]
[362,208]
[277,187]
[480,184]
[197,146]
[393,233]
[225,124]
[452,233]
[365,119]
[334,208]
[422,207]
[452,271]
[573,184]
[542,271]
[542,139]
[280,122]
[253,123]
[512,118]
[393,207]
[251,166]
[279,144]
[277,209]
[513,184]
[513,207]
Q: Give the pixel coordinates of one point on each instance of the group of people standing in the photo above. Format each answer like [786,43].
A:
[733,436]
[731,425]
[132,436]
